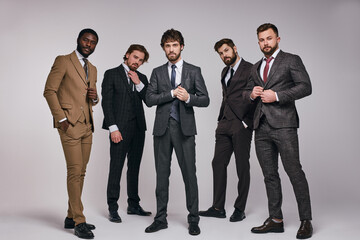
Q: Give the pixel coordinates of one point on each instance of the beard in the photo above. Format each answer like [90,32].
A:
[173,58]
[133,67]
[230,60]
[79,48]
[270,51]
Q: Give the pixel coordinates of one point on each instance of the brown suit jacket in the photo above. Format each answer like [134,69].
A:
[66,89]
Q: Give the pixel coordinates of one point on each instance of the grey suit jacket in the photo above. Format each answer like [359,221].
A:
[158,93]
[290,80]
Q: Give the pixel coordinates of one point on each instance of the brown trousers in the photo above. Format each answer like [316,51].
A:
[76,142]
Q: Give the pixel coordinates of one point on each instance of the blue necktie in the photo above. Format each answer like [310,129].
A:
[174,111]
[173,76]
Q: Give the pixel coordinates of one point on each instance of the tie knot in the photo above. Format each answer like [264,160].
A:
[173,66]
[269,59]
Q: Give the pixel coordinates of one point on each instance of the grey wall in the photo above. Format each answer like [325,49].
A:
[324,33]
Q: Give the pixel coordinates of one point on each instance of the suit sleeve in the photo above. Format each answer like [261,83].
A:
[94,86]
[142,93]
[107,93]
[154,95]
[301,82]
[201,97]
[53,82]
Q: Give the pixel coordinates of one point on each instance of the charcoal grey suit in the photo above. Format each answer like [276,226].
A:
[276,126]
[233,137]
[170,134]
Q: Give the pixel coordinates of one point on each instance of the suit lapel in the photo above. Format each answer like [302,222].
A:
[124,78]
[184,74]
[165,75]
[239,70]
[223,75]
[78,66]
[258,77]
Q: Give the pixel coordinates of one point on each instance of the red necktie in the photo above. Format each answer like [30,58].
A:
[266,69]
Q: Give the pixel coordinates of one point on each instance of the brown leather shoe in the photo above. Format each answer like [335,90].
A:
[305,231]
[269,226]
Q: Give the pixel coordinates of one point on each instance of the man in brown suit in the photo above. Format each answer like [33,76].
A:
[70,91]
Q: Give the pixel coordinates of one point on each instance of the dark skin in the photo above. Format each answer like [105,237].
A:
[86,46]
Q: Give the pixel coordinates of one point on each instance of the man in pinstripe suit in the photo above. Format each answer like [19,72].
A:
[123,90]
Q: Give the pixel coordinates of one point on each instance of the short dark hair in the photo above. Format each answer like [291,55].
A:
[267,26]
[223,41]
[88,30]
[137,47]
[172,35]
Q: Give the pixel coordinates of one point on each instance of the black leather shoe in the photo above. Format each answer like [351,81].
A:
[156,226]
[305,231]
[212,212]
[194,229]
[114,217]
[70,224]
[237,216]
[269,226]
[82,231]
[138,211]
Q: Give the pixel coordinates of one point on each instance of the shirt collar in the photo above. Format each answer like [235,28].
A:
[236,65]
[127,69]
[79,56]
[274,54]
[178,64]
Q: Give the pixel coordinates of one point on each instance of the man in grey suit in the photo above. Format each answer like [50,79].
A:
[279,79]
[175,87]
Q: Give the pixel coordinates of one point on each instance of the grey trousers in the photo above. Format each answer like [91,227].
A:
[269,143]
[185,152]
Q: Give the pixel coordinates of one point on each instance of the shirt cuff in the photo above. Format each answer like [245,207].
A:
[172,93]
[277,98]
[139,86]
[62,120]
[113,128]
[187,101]
[245,125]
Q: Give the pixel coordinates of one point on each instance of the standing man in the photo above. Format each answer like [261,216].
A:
[123,90]
[233,133]
[175,87]
[279,79]
[70,91]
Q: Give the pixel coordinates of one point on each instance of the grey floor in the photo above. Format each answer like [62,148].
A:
[331,222]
